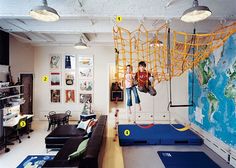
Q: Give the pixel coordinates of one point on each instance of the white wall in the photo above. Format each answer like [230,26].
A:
[158,104]
[21,57]
[102,57]
[25,58]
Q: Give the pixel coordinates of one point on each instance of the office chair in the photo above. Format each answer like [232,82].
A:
[21,124]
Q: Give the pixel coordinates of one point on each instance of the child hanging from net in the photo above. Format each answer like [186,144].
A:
[144,79]
[129,84]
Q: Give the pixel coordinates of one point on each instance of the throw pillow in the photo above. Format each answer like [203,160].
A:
[90,126]
[80,150]
[83,124]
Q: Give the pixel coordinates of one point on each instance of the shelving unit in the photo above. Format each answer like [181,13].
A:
[6,89]
[4,101]
[8,97]
[9,87]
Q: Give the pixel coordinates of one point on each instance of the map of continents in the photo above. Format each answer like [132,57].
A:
[215,93]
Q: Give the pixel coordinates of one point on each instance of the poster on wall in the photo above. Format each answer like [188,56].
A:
[83,98]
[69,78]
[55,95]
[85,61]
[55,79]
[86,85]
[85,72]
[69,96]
[55,62]
[69,62]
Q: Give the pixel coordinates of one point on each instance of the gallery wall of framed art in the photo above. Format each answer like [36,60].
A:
[71,79]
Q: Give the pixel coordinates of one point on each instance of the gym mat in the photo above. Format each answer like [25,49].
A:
[159,134]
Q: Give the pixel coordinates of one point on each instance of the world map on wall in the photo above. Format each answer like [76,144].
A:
[215,93]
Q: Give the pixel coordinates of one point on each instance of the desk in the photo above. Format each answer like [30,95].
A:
[14,121]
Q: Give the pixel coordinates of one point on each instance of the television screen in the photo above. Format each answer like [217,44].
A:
[4,48]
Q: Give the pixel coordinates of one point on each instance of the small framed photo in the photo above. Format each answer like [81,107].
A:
[86,85]
[55,62]
[83,98]
[55,95]
[69,78]
[55,79]
[85,72]
[69,62]
[69,96]
[85,61]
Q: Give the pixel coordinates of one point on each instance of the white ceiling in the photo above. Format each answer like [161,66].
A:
[95,18]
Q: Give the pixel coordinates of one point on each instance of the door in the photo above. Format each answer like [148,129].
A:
[27,90]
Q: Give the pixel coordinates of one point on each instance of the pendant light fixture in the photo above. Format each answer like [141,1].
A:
[44,13]
[196,13]
[155,42]
[81,44]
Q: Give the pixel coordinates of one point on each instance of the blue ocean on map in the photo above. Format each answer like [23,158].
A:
[215,93]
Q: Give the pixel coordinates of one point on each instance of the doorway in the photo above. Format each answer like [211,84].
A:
[27,90]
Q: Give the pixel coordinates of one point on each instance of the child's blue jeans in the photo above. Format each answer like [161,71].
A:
[129,97]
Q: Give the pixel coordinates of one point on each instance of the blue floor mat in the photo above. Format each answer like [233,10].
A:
[159,134]
[186,160]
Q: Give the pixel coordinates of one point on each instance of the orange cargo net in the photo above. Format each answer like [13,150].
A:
[151,46]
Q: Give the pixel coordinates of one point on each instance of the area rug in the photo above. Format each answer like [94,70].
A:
[173,159]
[35,161]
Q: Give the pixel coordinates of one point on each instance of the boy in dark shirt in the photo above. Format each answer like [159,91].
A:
[144,79]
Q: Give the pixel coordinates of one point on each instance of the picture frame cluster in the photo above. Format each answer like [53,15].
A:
[71,78]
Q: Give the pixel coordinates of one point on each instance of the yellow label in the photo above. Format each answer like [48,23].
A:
[118,19]
[45,78]
[22,123]
[127,132]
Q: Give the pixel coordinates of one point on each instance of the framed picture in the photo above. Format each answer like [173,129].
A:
[85,61]
[85,85]
[69,96]
[85,98]
[69,62]
[85,72]
[69,78]
[55,79]
[55,95]
[55,62]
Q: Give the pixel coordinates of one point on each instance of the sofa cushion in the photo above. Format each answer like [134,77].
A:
[70,146]
[62,133]
[67,131]
[80,150]
[102,120]
[95,142]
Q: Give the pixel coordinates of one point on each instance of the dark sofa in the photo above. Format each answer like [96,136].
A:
[92,157]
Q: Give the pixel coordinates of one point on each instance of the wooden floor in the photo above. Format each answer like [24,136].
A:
[113,153]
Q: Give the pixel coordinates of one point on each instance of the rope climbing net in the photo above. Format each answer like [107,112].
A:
[164,61]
